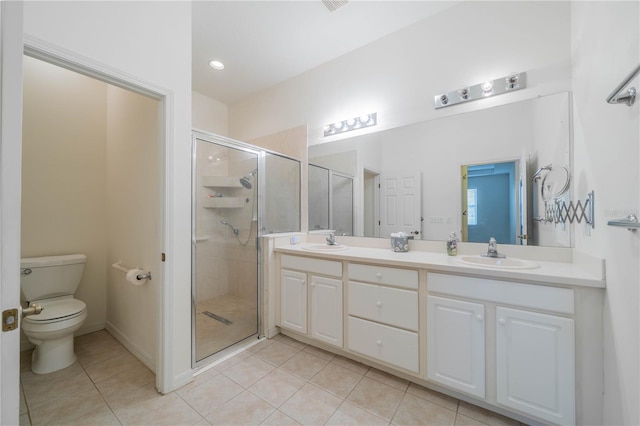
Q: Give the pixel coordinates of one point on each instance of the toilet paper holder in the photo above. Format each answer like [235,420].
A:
[139,277]
[145,276]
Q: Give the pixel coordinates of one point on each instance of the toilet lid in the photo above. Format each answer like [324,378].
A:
[58,309]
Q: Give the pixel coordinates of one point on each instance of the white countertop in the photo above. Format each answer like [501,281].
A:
[563,273]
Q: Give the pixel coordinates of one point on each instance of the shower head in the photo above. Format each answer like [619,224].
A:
[246,180]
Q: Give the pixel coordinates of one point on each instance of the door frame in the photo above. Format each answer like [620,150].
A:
[11,51]
[55,55]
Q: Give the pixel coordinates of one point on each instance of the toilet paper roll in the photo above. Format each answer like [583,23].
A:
[132,276]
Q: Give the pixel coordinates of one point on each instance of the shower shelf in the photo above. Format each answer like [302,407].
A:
[223,202]
[221,182]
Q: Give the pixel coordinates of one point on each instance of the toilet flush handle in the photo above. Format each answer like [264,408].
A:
[34,309]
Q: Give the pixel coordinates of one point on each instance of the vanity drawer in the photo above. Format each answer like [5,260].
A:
[316,266]
[383,304]
[388,344]
[380,275]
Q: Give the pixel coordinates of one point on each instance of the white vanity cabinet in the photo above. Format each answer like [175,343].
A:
[326,310]
[383,312]
[293,300]
[535,367]
[455,344]
[311,298]
[533,345]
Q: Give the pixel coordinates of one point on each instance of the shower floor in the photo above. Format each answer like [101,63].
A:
[223,321]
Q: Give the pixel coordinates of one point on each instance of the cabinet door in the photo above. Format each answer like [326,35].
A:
[326,310]
[535,364]
[293,300]
[455,344]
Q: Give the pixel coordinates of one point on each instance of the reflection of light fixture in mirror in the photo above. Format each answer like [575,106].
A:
[216,65]
[355,123]
[499,86]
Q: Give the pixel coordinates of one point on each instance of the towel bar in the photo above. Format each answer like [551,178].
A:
[620,97]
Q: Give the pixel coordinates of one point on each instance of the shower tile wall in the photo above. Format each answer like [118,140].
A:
[221,257]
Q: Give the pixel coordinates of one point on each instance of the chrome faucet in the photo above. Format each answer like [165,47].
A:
[492,251]
[331,240]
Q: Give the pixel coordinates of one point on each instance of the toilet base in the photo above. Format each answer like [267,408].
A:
[53,355]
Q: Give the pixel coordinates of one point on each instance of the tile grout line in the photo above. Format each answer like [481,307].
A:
[99,392]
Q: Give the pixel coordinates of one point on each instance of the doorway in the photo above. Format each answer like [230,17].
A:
[92,183]
[491,200]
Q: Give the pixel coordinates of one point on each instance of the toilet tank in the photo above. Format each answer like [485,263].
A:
[50,276]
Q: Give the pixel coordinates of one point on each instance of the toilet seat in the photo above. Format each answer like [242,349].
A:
[57,310]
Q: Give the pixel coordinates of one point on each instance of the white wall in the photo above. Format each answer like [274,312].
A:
[64,175]
[209,115]
[134,218]
[398,75]
[151,41]
[605,48]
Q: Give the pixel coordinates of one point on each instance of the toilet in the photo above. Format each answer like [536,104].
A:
[51,282]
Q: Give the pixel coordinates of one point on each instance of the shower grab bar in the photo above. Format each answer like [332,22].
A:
[119,267]
[617,96]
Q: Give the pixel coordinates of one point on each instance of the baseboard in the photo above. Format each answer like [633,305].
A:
[90,328]
[144,357]
[272,332]
[182,379]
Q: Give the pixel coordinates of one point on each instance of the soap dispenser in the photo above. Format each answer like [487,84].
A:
[452,244]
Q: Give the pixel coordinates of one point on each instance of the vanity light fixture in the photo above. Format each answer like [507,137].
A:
[499,86]
[216,65]
[355,123]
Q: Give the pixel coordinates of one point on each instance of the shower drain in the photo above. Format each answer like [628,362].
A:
[217,318]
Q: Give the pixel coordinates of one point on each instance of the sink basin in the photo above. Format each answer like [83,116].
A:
[323,247]
[498,263]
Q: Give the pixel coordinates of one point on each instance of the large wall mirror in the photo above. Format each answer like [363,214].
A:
[415,178]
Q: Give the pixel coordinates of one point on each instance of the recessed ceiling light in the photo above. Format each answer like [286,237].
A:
[216,65]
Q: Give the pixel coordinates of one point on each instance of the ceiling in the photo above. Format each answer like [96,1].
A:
[263,43]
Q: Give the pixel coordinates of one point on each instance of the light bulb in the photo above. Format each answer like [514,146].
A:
[216,65]
[487,86]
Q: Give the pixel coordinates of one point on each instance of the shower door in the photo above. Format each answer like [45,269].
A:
[225,270]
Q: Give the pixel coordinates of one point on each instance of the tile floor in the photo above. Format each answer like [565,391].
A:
[276,382]
[213,335]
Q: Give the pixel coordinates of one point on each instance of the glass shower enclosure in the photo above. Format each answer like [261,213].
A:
[229,196]
[224,245]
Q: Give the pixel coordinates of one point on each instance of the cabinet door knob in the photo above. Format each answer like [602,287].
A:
[313,284]
[378,304]
[502,321]
[479,317]
[379,275]
[379,342]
